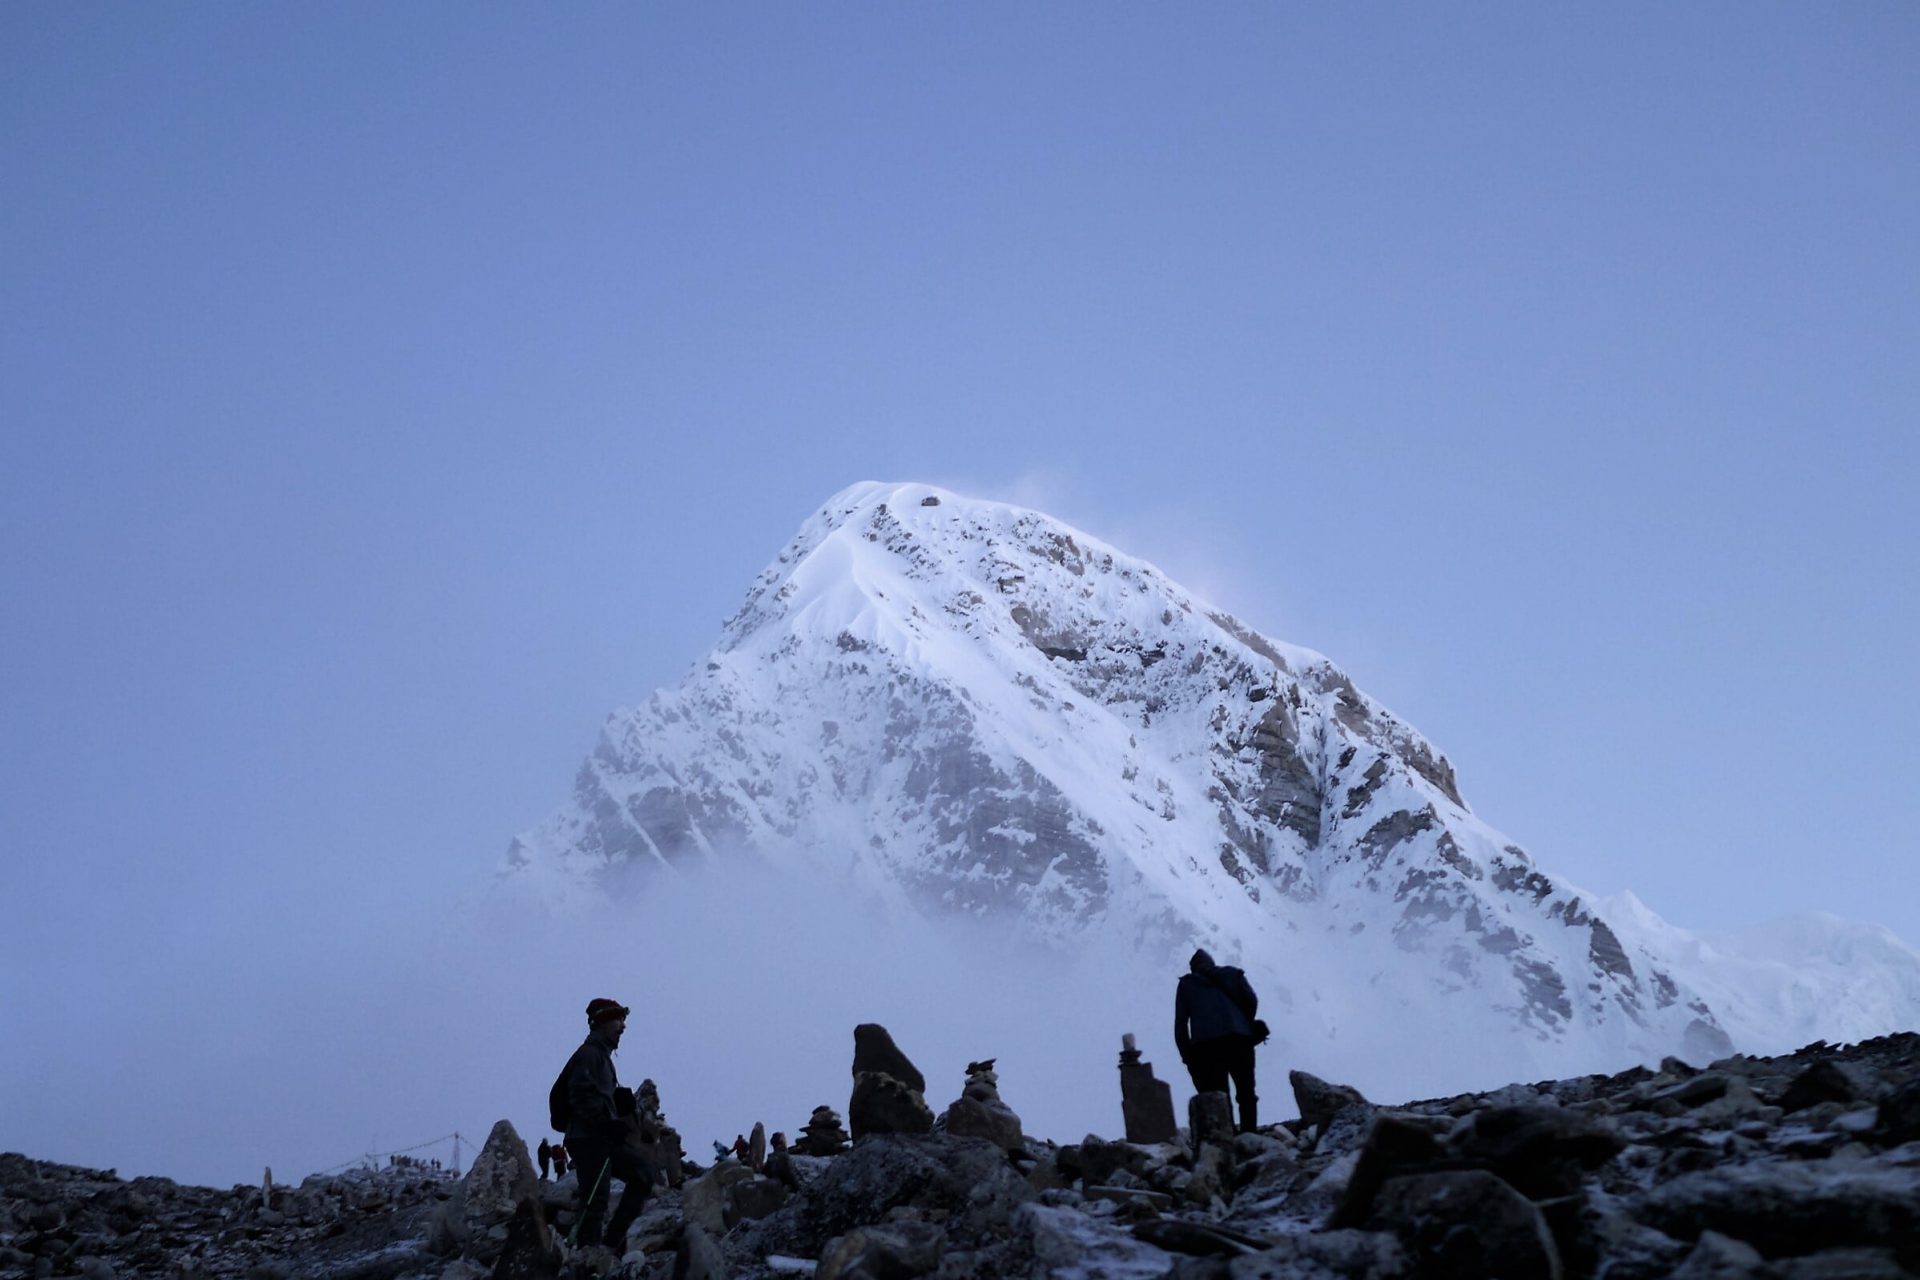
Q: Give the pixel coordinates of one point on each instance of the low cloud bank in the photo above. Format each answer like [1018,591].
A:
[287,1043]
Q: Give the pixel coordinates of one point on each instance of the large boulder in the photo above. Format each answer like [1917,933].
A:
[1788,1208]
[1327,1255]
[1467,1225]
[891,1251]
[1318,1099]
[1543,1151]
[1718,1257]
[1066,1242]
[888,1090]
[698,1256]
[708,1199]
[968,1181]
[1396,1145]
[1824,1081]
[528,1252]
[995,1121]
[475,1218]
[758,1196]
[1212,1175]
[1093,1160]
[883,1103]
[1347,1131]
[1898,1117]
[874,1050]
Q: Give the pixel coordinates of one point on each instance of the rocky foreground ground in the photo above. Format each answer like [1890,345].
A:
[1801,1167]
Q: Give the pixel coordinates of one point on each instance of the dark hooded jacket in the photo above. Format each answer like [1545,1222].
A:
[1213,1001]
[590,1082]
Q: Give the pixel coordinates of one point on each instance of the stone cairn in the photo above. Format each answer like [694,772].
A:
[979,1113]
[889,1093]
[823,1133]
[656,1141]
[1146,1104]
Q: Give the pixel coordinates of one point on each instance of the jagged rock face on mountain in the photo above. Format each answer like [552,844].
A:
[969,707]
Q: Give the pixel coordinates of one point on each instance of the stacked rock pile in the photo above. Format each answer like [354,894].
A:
[823,1133]
[656,1141]
[979,1112]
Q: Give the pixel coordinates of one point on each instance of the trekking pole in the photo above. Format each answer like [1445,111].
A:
[573,1236]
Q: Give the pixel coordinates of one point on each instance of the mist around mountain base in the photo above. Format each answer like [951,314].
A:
[259,1050]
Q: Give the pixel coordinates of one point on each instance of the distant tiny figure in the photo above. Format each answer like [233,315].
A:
[584,1103]
[560,1158]
[1215,1031]
[546,1158]
[740,1148]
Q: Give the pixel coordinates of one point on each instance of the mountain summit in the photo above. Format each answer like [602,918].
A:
[966,707]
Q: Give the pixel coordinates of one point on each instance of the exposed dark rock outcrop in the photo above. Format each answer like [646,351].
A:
[888,1090]
[1801,1167]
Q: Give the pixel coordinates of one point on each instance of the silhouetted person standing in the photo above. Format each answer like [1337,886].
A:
[597,1131]
[1213,1027]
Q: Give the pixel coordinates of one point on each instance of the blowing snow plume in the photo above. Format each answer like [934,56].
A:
[936,708]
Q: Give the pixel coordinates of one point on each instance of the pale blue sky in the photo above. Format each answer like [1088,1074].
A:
[390,391]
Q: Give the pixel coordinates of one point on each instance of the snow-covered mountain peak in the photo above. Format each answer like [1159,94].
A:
[963,706]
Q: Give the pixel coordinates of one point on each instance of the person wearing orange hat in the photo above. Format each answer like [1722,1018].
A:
[585,1103]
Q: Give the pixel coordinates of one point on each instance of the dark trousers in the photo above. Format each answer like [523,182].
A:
[597,1161]
[1212,1063]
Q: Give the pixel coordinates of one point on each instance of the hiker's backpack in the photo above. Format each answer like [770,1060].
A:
[559,1111]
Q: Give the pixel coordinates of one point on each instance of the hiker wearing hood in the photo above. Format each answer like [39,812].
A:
[587,1105]
[1215,1030]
